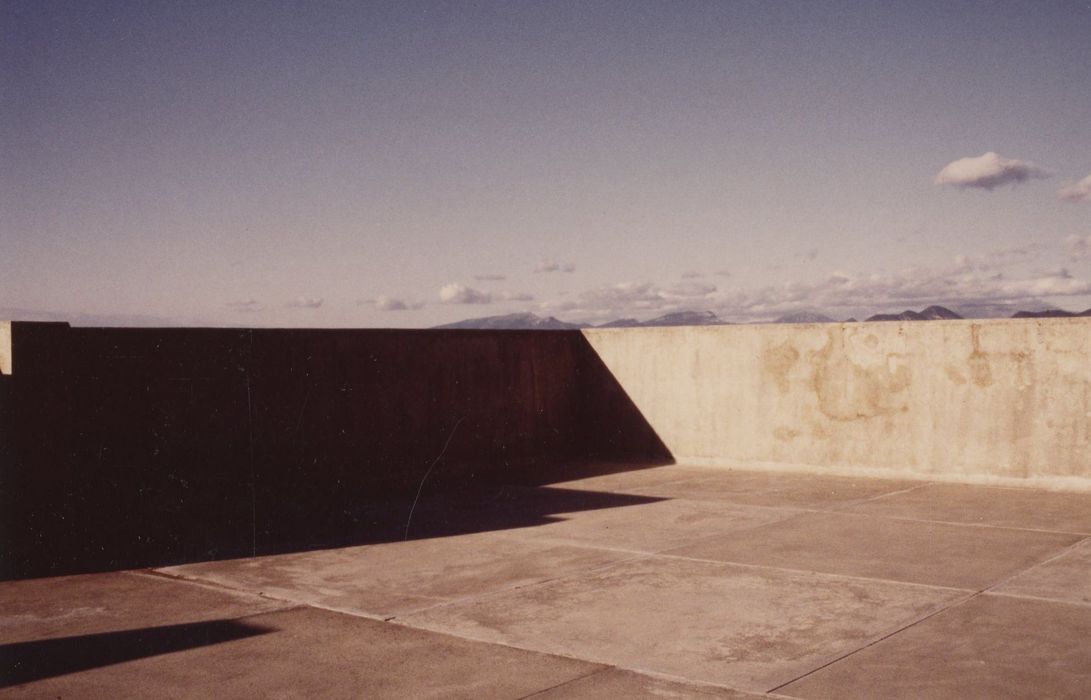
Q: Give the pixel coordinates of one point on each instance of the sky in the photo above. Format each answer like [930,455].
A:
[406,164]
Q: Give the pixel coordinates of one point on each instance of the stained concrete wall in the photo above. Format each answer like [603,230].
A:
[1006,401]
[5,347]
[133,447]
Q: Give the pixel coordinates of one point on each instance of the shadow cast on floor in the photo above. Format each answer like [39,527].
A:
[24,662]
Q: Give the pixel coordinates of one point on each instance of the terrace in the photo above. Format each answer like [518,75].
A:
[800,512]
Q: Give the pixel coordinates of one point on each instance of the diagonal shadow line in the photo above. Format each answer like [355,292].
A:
[24,662]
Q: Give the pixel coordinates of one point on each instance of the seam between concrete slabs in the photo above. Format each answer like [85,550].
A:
[512,590]
[936,608]
[1032,567]
[221,587]
[605,664]
[156,574]
[903,518]
[984,592]
[474,597]
[785,514]
[373,618]
[823,662]
[300,605]
[564,683]
[873,641]
[786,569]
[1040,599]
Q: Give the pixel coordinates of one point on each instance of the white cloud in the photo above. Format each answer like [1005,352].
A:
[456,293]
[306,303]
[1079,247]
[385,303]
[245,305]
[993,279]
[689,289]
[1076,191]
[515,296]
[956,285]
[490,278]
[988,171]
[555,267]
[633,298]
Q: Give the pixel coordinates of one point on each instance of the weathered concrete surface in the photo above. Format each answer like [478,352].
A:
[401,576]
[93,604]
[742,627]
[1066,578]
[5,347]
[773,489]
[615,684]
[930,553]
[989,647]
[988,400]
[306,652]
[544,595]
[997,506]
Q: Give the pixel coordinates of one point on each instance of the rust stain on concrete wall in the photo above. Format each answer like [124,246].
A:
[777,361]
[849,391]
[978,361]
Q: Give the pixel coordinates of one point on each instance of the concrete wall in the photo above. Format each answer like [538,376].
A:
[1004,401]
[133,447]
[5,347]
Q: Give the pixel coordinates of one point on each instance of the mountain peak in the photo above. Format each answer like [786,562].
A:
[804,317]
[932,313]
[516,321]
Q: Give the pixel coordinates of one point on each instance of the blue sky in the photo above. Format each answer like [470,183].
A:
[408,164]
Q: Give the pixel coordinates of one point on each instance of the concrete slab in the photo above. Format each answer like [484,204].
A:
[778,489]
[989,647]
[1066,578]
[985,505]
[654,526]
[625,481]
[859,545]
[741,627]
[79,605]
[572,571]
[314,653]
[386,579]
[616,684]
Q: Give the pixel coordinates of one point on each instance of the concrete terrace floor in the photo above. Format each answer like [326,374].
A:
[667,582]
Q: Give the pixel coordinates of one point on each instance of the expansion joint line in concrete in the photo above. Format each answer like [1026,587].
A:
[1032,567]
[399,618]
[202,583]
[564,683]
[881,496]
[873,642]
[953,604]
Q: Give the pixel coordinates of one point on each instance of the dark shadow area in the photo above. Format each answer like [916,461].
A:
[25,662]
[127,448]
[483,509]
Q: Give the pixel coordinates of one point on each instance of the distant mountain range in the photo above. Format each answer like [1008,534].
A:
[523,321]
[530,321]
[932,313]
[1051,313]
[805,317]
[677,318]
